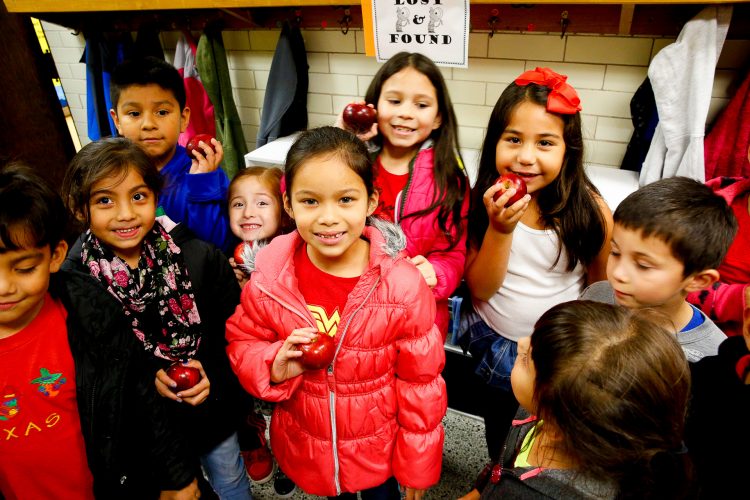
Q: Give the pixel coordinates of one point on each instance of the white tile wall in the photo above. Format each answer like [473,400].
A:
[605,69]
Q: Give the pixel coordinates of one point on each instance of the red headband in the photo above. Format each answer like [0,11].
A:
[562,98]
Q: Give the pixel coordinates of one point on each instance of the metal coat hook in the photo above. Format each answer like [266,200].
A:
[494,19]
[345,21]
[564,22]
[298,17]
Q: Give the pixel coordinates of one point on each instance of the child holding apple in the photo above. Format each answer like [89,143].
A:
[148,99]
[527,256]
[76,392]
[176,290]
[370,419]
[418,173]
[256,216]
[256,213]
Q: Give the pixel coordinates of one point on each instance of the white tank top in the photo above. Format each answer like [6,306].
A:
[530,286]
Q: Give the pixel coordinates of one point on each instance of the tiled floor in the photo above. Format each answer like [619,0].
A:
[464,454]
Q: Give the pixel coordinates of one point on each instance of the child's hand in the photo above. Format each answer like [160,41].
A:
[193,396]
[242,278]
[424,266]
[504,219]
[414,494]
[366,136]
[209,160]
[286,365]
[189,492]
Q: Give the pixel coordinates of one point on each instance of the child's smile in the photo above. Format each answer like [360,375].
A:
[122,211]
[254,211]
[532,146]
[407,110]
[329,204]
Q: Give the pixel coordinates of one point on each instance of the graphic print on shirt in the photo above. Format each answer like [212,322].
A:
[385,209]
[49,383]
[9,404]
[325,324]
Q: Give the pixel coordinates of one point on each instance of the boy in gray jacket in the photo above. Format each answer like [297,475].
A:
[668,240]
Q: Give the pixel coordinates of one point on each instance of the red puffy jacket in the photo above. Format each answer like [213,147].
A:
[424,236]
[376,411]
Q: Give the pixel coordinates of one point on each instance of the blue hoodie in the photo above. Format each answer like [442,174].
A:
[197,200]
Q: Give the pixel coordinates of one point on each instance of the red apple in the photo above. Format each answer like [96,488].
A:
[511,180]
[185,376]
[192,144]
[359,117]
[238,252]
[318,353]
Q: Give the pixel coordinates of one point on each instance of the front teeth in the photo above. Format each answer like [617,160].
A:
[330,236]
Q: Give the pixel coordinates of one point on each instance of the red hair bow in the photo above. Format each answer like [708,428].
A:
[562,99]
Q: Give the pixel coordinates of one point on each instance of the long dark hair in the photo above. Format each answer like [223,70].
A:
[450,181]
[615,384]
[568,205]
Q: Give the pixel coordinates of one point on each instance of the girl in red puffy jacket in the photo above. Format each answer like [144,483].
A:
[369,417]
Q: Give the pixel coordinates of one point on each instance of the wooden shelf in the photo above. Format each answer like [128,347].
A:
[37,6]
[644,17]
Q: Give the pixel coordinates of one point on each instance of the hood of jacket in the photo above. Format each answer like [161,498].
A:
[729,188]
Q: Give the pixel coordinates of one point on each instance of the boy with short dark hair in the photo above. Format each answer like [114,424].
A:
[75,396]
[148,96]
[669,238]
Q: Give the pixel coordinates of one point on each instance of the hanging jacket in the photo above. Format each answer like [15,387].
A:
[376,411]
[423,236]
[147,42]
[202,119]
[682,75]
[211,60]
[644,117]
[132,450]
[724,302]
[285,102]
[101,55]
[728,142]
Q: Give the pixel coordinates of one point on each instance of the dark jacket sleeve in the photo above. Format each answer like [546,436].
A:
[217,294]
[124,421]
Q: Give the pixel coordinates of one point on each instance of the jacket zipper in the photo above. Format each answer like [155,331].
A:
[332,394]
[401,197]
[329,371]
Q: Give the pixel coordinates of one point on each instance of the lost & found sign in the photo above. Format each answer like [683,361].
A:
[438,29]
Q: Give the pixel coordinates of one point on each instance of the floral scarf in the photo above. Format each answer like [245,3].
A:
[162,278]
